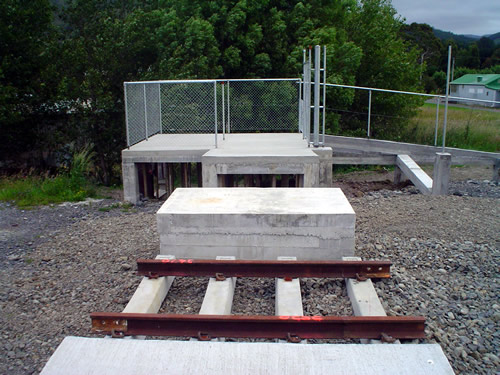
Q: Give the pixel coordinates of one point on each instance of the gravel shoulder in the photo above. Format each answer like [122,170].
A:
[58,264]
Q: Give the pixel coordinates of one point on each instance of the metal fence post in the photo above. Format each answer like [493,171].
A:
[223,113]
[215,110]
[159,106]
[126,114]
[145,112]
[447,95]
[228,111]
[369,112]
[437,122]
[317,73]
[324,94]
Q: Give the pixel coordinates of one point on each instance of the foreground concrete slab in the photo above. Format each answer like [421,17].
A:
[257,223]
[95,356]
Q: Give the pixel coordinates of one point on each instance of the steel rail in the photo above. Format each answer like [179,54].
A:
[263,268]
[293,328]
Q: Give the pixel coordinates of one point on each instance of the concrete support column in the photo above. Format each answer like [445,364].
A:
[441,176]
[399,176]
[325,166]
[209,172]
[496,171]
[130,182]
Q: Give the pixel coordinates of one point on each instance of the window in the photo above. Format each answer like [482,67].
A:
[472,91]
[479,91]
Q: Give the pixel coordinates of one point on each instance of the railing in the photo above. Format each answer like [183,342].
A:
[439,111]
[217,107]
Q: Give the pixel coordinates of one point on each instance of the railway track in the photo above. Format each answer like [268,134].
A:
[140,317]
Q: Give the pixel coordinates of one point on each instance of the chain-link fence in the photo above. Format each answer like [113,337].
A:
[210,107]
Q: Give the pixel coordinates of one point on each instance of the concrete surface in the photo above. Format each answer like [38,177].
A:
[441,175]
[288,300]
[364,299]
[257,223]
[150,293]
[218,298]
[79,355]
[416,174]
[264,153]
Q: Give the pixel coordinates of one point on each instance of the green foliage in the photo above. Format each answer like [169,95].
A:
[469,128]
[63,84]
[28,191]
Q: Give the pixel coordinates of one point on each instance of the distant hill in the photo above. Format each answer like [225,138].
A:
[461,40]
[495,38]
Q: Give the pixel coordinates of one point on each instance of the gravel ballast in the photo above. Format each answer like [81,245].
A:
[58,264]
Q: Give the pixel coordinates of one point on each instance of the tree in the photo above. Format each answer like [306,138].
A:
[387,62]
[26,83]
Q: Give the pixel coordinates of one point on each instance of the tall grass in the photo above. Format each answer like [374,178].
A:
[468,128]
[68,186]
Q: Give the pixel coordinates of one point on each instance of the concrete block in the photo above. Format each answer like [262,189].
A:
[325,155]
[256,223]
[130,182]
[218,298]
[288,300]
[364,300]
[441,176]
[92,356]
[150,293]
[411,169]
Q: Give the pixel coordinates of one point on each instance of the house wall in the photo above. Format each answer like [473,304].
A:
[475,92]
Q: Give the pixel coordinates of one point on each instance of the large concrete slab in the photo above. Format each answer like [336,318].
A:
[242,154]
[95,356]
[257,223]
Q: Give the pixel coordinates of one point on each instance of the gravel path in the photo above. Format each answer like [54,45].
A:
[58,264]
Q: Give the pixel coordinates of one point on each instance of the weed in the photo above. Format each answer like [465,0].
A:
[31,190]
[469,128]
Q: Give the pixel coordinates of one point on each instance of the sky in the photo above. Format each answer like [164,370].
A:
[477,17]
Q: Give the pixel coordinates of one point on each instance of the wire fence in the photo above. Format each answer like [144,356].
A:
[419,117]
[210,107]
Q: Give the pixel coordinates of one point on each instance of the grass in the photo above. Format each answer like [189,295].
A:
[468,128]
[72,186]
[33,191]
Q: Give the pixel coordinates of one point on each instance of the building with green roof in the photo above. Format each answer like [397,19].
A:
[477,86]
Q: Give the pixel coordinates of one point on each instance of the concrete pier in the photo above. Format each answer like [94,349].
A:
[253,223]
[268,154]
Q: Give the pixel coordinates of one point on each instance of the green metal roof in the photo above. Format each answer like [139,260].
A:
[491,81]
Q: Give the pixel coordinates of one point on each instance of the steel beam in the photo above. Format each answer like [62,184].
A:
[263,268]
[293,328]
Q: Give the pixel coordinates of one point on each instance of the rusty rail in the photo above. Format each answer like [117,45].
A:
[293,328]
[263,268]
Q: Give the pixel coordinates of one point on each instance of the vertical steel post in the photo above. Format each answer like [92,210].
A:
[447,95]
[215,110]
[159,105]
[308,99]
[223,113]
[303,96]
[324,94]
[228,113]
[437,122]
[145,111]
[126,114]
[317,73]
[369,112]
